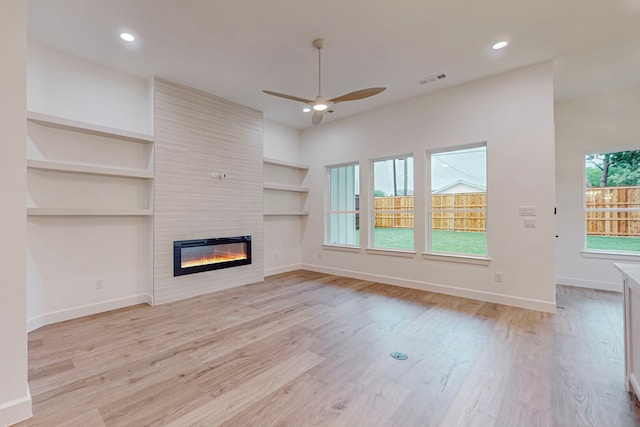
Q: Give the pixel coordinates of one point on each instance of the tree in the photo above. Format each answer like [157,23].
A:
[619,168]
[593,176]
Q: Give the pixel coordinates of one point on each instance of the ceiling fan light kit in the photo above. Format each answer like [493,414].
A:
[320,105]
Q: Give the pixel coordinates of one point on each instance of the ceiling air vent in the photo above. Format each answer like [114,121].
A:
[432,78]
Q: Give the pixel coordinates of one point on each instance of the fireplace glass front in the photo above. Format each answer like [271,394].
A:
[194,256]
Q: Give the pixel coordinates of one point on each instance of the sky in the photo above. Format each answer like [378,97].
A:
[465,165]
[468,165]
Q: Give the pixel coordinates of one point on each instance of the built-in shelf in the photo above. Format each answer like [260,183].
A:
[87,128]
[287,213]
[87,212]
[112,136]
[88,169]
[285,164]
[283,193]
[283,187]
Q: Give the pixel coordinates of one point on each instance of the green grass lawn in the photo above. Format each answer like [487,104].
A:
[443,241]
[628,244]
[459,242]
[476,243]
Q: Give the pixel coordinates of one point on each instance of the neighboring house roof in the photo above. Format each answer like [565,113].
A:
[474,187]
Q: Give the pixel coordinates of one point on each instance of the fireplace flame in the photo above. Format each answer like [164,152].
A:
[214,258]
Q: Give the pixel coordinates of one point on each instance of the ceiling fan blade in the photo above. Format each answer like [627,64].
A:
[358,94]
[293,98]
[317,117]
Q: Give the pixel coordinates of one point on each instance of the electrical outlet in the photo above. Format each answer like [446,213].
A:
[99,284]
[319,255]
[529,223]
[275,257]
[497,277]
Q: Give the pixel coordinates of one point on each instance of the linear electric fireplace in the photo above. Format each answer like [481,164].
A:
[194,256]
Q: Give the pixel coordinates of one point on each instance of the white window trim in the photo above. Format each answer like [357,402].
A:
[446,256]
[343,248]
[372,211]
[327,203]
[408,253]
[604,254]
[458,258]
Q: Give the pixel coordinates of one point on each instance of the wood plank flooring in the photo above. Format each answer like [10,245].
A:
[308,349]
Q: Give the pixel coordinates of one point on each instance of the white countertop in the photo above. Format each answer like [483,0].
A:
[632,271]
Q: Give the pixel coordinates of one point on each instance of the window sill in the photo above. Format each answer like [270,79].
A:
[462,259]
[391,252]
[342,248]
[619,256]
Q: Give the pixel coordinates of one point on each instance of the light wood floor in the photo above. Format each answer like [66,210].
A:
[307,349]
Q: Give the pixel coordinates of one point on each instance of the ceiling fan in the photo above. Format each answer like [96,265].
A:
[321,105]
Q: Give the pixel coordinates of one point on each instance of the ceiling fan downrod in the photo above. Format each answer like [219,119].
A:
[318,44]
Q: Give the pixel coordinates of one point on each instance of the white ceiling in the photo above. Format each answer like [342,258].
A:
[236,48]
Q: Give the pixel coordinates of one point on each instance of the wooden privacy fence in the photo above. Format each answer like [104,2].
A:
[608,223]
[392,219]
[459,219]
[450,211]
[454,218]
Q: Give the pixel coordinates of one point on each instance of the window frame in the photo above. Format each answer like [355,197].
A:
[613,254]
[371,249]
[454,256]
[329,211]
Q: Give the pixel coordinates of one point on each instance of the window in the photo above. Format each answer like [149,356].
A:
[344,201]
[393,203]
[459,201]
[612,201]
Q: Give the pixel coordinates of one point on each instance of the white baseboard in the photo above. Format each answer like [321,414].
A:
[590,284]
[531,304]
[148,298]
[85,310]
[16,410]
[34,323]
[634,385]
[283,269]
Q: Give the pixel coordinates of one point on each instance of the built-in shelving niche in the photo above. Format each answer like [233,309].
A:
[77,168]
[89,210]
[284,194]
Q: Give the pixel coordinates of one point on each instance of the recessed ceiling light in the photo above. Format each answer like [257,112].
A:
[499,45]
[128,37]
[306,109]
[444,165]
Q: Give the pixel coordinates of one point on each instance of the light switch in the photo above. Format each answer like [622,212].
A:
[527,211]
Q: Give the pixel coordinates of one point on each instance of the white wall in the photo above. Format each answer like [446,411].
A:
[513,113]
[67,255]
[282,142]
[604,122]
[282,234]
[15,402]
[66,86]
